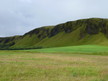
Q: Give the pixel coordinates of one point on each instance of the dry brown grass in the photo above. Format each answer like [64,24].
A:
[52,67]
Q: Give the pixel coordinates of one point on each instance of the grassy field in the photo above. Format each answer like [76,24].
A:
[87,49]
[31,66]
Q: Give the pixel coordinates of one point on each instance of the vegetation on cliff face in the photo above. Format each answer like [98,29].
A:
[80,32]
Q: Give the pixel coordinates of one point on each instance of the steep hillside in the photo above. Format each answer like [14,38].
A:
[80,32]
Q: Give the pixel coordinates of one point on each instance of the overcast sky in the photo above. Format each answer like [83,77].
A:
[20,16]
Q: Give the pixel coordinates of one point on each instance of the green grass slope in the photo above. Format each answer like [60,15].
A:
[84,49]
[72,39]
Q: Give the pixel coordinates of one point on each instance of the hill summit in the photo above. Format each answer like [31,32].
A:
[80,32]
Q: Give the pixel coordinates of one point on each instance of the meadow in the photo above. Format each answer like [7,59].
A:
[83,49]
[55,64]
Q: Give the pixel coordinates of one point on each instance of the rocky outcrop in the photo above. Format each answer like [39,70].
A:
[90,26]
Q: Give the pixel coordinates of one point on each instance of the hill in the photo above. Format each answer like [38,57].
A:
[80,32]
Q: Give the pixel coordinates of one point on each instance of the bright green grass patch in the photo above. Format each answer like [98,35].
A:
[74,49]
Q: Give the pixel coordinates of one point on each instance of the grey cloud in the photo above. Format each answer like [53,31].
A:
[20,16]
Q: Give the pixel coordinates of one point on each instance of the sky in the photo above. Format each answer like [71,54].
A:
[20,16]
